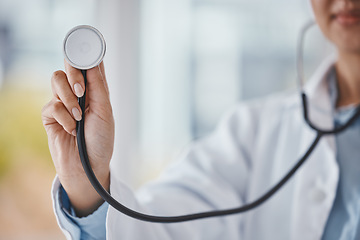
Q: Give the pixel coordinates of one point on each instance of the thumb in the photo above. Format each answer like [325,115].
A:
[97,92]
[97,88]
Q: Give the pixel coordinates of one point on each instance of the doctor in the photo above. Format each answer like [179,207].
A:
[254,145]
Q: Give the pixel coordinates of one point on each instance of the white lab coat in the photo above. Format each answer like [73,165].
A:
[252,148]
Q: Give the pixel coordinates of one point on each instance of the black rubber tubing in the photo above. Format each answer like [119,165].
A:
[173,219]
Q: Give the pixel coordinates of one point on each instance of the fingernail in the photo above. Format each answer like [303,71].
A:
[76,114]
[79,91]
[74,133]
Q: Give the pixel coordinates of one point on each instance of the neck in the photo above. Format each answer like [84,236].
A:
[348,76]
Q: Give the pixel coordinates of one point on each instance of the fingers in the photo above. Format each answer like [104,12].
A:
[96,82]
[76,79]
[67,87]
[56,112]
[62,91]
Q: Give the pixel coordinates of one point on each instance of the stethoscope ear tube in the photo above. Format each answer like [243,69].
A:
[323,131]
[301,82]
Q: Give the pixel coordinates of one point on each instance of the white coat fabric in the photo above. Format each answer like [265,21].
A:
[251,150]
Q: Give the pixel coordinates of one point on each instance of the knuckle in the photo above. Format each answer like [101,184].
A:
[44,113]
[57,106]
[57,76]
[47,111]
[47,108]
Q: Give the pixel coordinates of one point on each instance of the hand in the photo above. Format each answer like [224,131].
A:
[59,118]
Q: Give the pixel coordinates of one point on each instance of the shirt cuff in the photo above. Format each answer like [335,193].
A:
[70,229]
[92,226]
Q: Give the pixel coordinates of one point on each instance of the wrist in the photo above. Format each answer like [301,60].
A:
[83,197]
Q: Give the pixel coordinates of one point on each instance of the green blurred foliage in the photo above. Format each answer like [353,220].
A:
[21,129]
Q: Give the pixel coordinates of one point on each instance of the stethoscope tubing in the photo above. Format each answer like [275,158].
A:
[173,219]
[215,213]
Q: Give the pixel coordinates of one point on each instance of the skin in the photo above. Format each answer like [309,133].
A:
[339,20]
[59,122]
[336,18]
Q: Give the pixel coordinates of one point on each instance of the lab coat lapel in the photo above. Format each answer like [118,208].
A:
[316,183]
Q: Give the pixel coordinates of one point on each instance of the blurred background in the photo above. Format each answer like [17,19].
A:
[173,66]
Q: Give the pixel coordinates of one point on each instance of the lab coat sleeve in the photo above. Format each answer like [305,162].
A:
[211,175]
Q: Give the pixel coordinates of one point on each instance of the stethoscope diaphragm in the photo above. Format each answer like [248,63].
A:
[84,47]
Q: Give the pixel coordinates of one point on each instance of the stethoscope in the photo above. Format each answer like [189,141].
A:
[84,48]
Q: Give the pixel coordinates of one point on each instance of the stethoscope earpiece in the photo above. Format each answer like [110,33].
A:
[84,47]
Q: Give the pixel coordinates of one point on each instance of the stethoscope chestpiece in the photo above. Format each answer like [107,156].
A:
[84,47]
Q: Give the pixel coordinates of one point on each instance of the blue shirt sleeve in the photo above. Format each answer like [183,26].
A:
[90,227]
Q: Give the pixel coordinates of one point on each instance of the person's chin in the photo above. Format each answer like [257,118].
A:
[346,36]
[350,47]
